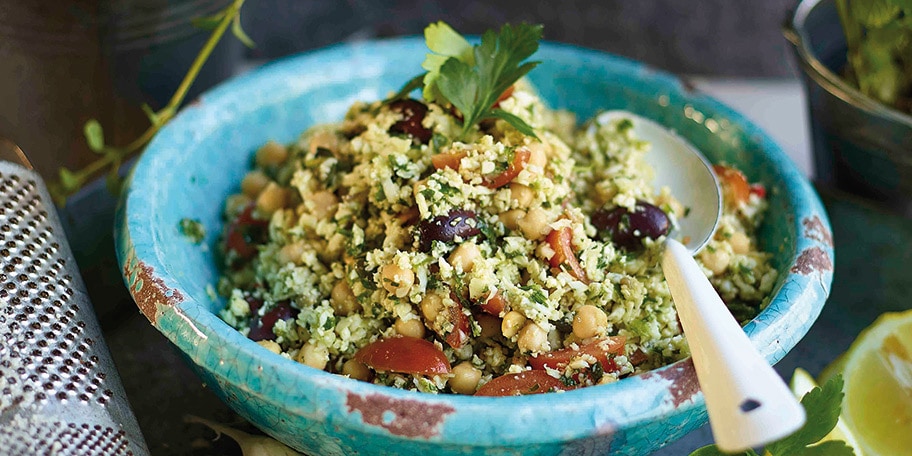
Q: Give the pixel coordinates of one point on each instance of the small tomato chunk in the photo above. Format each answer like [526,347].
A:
[528,382]
[447,160]
[735,188]
[495,305]
[560,241]
[601,349]
[520,158]
[408,355]
[459,335]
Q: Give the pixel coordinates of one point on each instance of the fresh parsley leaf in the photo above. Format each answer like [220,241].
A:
[445,43]
[515,121]
[472,78]
[822,406]
[498,65]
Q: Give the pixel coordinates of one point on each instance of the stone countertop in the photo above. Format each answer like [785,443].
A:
[872,248]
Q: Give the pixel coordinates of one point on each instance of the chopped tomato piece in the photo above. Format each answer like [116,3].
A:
[409,355]
[520,158]
[528,382]
[601,349]
[447,160]
[560,241]
[495,305]
[735,188]
[759,190]
[460,333]
[244,233]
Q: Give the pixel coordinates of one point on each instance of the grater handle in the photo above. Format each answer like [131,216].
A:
[59,390]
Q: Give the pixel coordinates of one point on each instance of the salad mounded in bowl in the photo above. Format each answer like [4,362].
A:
[472,241]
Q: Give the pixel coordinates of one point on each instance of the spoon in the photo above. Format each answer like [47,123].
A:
[749,405]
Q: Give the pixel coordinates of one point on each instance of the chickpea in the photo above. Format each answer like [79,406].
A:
[535,224]
[396,280]
[291,253]
[716,261]
[254,182]
[532,338]
[343,300]
[589,321]
[490,325]
[271,199]
[271,154]
[511,218]
[431,305]
[521,194]
[323,140]
[464,257]
[511,323]
[410,328]
[324,204]
[313,355]
[356,370]
[270,345]
[465,378]
[236,203]
[538,155]
[740,243]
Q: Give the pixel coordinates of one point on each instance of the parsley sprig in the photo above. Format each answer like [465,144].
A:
[822,406]
[472,78]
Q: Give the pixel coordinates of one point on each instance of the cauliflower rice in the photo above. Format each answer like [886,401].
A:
[494,249]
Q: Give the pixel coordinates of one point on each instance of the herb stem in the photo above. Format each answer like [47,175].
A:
[114,156]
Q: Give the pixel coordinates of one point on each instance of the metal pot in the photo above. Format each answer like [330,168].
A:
[860,145]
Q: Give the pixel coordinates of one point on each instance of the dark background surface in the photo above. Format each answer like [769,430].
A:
[701,37]
[707,37]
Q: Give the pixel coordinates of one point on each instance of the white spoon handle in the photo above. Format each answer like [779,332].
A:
[748,403]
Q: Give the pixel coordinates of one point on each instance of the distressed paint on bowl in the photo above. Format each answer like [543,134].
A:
[198,159]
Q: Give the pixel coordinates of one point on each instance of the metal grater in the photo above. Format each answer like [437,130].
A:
[59,391]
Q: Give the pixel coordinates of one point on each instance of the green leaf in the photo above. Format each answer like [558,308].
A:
[409,86]
[516,121]
[444,42]
[498,65]
[822,406]
[874,13]
[828,448]
[208,22]
[461,86]
[68,180]
[239,32]
[94,135]
[712,450]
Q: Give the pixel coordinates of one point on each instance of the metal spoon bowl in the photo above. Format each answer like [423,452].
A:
[748,403]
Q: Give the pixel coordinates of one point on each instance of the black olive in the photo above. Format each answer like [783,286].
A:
[445,228]
[413,113]
[628,229]
[261,327]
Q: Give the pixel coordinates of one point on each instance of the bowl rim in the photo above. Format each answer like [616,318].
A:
[191,320]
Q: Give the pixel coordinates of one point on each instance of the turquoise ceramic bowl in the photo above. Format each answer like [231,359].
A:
[200,157]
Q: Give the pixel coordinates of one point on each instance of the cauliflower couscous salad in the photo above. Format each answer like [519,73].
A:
[472,242]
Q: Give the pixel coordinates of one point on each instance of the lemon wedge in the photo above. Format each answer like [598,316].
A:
[878,386]
[801,384]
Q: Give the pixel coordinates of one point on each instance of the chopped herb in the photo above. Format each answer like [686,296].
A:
[192,230]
